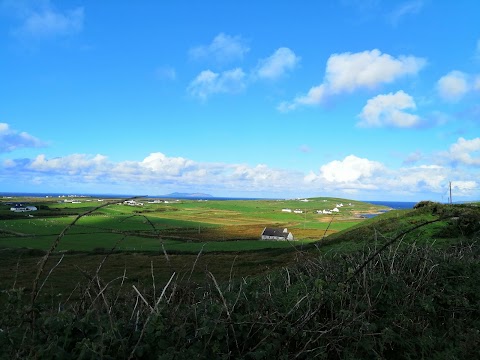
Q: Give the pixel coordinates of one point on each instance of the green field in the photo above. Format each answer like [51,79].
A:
[183,226]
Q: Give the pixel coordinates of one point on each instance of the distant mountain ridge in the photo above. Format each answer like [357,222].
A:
[187,195]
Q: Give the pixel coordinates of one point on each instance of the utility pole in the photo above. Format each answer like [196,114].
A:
[450,192]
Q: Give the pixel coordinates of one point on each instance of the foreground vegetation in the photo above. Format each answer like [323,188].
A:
[400,286]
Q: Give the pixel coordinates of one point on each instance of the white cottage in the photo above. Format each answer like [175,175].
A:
[276,234]
[21,208]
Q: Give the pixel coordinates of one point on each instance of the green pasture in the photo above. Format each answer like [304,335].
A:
[105,241]
[139,227]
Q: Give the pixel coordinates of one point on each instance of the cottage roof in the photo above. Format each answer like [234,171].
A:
[275,232]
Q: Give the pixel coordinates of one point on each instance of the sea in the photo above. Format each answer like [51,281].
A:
[396,205]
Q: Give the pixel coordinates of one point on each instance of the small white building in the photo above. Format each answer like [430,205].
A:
[276,234]
[132,203]
[298,211]
[287,210]
[21,208]
[156,201]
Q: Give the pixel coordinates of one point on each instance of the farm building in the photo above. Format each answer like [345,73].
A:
[21,208]
[287,210]
[276,234]
[132,203]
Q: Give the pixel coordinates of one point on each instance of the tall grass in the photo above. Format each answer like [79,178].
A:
[384,301]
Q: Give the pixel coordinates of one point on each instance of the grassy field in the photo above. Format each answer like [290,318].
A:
[226,233]
[405,282]
[185,225]
[135,238]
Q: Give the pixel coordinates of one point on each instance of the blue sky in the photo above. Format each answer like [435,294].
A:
[370,100]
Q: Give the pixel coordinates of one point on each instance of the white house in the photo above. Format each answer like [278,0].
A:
[156,201]
[20,208]
[132,203]
[276,234]
[335,210]
[287,210]
[298,211]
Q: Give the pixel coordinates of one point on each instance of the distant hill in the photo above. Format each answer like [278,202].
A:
[187,195]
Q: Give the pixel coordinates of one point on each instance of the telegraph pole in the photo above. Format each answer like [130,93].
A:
[450,184]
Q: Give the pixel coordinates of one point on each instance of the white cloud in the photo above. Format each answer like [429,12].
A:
[389,110]
[350,169]
[354,175]
[276,65]
[351,175]
[420,178]
[223,48]
[316,95]
[71,164]
[348,72]
[41,19]
[155,170]
[11,140]
[159,163]
[465,185]
[453,86]
[208,83]
[465,152]
[407,8]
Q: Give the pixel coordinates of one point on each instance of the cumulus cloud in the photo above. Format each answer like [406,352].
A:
[350,175]
[348,72]
[465,186]
[464,152]
[453,86]
[421,178]
[158,162]
[316,95]
[350,169]
[223,48]
[11,140]
[72,164]
[359,175]
[208,83]
[368,69]
[389,110]
[156,169]
[278,64]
